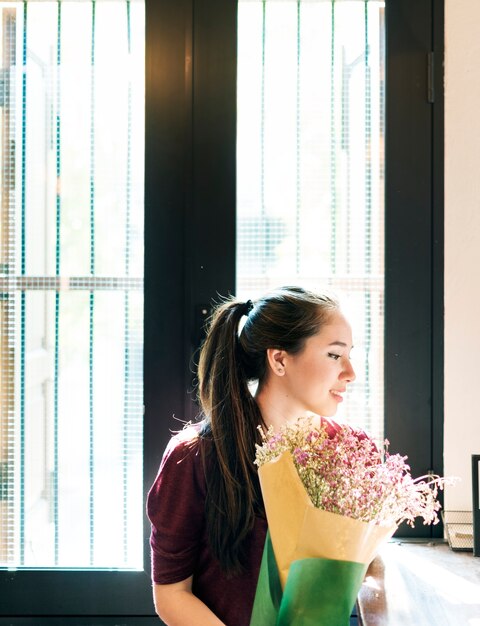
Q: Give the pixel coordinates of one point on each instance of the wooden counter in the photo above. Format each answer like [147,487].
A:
[421,584]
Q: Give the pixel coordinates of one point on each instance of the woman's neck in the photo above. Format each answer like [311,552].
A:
[277,407]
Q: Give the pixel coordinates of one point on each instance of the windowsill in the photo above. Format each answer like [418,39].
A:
[421,583]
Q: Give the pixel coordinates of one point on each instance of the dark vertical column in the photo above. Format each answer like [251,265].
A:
[438,245]
[211,215]
[167,188]
[476,503]
[408,234]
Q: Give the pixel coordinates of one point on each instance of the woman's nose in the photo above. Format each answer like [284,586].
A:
[348,372]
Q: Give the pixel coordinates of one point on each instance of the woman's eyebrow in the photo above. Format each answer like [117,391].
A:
[338,343]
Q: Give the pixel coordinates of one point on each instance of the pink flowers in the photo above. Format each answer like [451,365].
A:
[347,474]
[301,457]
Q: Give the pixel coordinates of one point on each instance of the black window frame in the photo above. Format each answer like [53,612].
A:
[190,199]
[414,238]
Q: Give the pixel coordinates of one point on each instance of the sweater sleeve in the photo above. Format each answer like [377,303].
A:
[175,507]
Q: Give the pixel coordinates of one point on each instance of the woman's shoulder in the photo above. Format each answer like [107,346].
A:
[184,439]
[186,450]
[185,444]
[183,463]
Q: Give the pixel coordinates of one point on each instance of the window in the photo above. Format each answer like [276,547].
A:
[71,291]
[310,167]
[72,269]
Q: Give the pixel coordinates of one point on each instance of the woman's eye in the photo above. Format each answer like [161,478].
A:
[334,356]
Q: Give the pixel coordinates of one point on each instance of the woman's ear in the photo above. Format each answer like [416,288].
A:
[276,361]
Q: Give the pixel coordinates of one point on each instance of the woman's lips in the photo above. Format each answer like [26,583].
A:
[337,395]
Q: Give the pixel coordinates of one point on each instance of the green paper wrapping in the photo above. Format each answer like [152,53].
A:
[319,592]
[268,595]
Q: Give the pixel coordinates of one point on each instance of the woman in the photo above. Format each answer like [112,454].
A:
[208,521]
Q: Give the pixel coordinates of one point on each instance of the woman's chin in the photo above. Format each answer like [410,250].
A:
[330,412]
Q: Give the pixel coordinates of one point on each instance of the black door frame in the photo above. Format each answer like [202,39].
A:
[414,233]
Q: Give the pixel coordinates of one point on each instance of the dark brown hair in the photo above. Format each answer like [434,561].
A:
[228,362]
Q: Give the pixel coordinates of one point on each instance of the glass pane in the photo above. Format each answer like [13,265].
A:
[310,171]
[71,284]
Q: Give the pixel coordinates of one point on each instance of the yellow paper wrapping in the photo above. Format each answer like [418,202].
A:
[299,530]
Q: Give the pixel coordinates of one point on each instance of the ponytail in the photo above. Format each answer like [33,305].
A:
[232,419]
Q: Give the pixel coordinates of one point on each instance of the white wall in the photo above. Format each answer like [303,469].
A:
[462,245]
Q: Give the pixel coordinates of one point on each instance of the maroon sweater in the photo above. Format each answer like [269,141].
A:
[179,542]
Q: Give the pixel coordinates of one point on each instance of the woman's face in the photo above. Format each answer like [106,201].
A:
[316,378]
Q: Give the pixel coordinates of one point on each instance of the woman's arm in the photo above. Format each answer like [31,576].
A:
[177,606]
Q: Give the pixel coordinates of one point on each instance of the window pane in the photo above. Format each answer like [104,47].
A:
[310,167]
[71,284]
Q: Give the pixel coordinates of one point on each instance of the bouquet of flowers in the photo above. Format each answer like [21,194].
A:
[331,499]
